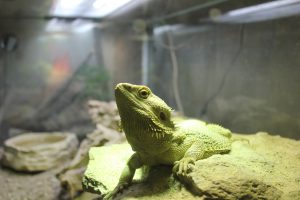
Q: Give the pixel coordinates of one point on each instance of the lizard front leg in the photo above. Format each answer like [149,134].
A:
[126,177]
[184,165]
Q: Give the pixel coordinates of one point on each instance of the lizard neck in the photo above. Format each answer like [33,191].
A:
[143,134]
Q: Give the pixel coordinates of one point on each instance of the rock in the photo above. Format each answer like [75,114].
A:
[259,166]
[86,196]
[72,181]
[105,167]
[105,113]
[24,186]
[71,177]
[39,151]
[99,137]
[1,152]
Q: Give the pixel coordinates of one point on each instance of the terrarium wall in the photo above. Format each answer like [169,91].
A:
[46,81]
[245,77]
[121,52]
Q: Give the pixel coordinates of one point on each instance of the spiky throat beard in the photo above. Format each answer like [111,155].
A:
[141,126]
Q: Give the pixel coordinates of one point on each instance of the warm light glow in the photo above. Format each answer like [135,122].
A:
[61,69]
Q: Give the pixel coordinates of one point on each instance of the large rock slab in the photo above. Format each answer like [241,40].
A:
[259,167]
[39,151]
[105,167]
[71,176]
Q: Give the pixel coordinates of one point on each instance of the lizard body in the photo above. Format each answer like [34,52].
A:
[158,139]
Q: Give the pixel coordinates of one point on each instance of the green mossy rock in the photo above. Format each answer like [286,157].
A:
[260,167]
[105,167]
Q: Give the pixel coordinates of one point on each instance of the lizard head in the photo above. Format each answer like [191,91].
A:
[137,104]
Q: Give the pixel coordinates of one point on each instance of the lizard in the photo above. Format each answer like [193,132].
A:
[156,138]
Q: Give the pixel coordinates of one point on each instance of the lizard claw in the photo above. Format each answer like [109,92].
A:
[183,167]
[119,188]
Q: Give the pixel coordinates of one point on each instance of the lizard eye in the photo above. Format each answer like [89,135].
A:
[162,116]
[144,93]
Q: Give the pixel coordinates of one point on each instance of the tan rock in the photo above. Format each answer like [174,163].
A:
[260,167]
[71,177]
[39,151]
[105,113]
[28,186]
[1,153]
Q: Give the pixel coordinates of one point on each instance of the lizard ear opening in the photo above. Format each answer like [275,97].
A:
[162,116]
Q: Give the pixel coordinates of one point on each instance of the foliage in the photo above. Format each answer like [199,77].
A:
[94,79]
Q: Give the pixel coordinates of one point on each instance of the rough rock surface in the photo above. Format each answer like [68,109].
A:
[39,151]
[71,177]
[21,186]
[115,156]
[260,167]
[1,152]
[105,113]
[106,118]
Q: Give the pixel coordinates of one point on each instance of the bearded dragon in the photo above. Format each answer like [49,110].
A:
[157,139]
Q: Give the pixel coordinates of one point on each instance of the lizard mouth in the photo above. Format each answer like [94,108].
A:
[124,98]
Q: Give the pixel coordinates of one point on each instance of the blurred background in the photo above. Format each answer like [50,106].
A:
[231,62]
[235,63]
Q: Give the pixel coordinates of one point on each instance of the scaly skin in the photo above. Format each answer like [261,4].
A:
[157,139]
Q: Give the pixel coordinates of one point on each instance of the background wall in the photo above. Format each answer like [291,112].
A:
[45,83]
[245,77]
[121,52]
